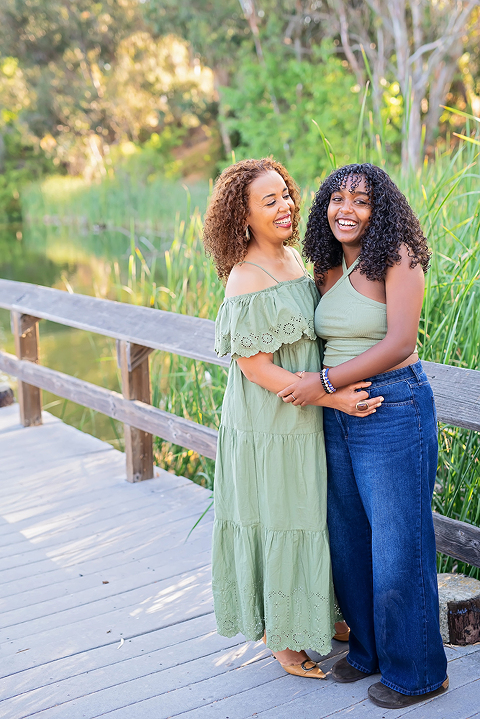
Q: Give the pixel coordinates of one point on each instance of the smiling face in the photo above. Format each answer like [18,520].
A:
[270,208]
[349,212]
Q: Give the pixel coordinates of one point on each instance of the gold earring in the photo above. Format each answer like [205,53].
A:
[247,233]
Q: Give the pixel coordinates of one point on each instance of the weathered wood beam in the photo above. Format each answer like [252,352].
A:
[25,333]
[457,394]
[457,539]
[136,385]
[135,354]
[132,412]
[180,334]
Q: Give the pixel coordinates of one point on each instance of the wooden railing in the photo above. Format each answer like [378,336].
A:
[140,330]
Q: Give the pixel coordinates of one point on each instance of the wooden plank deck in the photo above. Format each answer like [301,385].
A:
[106,608]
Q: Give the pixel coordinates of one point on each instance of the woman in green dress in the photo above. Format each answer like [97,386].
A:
[271,561]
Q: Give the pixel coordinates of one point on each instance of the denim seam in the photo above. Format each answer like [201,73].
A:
[387,383]
[407,403]
[343,425]
[420,540]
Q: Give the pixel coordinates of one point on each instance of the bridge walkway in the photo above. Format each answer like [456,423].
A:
[106,608]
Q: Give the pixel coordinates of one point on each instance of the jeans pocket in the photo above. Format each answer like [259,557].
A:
[396,394]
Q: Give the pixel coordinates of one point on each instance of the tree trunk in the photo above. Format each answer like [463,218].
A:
[440,83]
[221,79]
[412,135]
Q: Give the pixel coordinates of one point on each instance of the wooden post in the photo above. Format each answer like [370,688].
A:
[133,363]
[459,599]
[25,332]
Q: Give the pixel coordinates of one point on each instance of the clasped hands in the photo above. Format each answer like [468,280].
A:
[308,390]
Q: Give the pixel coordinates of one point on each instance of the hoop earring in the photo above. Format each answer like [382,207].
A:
[247,233]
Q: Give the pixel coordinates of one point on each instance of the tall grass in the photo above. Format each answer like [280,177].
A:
[450,327]
[168,270]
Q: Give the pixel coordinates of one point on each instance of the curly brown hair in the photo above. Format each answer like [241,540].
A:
[391,224]
[225,223]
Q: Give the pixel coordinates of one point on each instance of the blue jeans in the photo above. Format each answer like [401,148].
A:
[381,474]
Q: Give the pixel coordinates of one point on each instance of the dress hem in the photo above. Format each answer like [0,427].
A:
[324,649]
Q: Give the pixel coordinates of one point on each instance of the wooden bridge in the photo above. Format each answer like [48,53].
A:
[105,603]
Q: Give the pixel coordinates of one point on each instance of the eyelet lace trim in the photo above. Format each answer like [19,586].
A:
[281,611]
[247,345]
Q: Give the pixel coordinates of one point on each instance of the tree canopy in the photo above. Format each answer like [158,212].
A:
[82,84]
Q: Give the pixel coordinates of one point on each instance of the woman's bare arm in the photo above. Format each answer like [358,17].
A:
[261,370]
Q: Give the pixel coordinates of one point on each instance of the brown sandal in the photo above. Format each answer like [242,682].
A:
[301,670]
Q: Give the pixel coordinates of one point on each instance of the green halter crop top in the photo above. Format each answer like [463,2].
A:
[347,321]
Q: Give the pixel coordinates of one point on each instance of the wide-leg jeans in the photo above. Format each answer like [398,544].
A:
[381,475]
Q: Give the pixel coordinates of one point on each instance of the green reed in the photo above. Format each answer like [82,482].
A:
[450,328]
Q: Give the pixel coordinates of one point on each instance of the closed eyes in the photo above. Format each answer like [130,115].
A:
[285,197]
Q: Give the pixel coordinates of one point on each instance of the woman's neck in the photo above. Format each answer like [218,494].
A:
[270,251]
[351,254]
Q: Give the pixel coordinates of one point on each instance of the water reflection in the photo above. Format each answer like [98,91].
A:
[28,257]
[22,261]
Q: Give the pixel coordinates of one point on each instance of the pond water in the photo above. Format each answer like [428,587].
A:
[27,258]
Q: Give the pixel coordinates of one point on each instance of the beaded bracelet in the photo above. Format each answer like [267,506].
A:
[329,384]
[325,388]
[326,384]
[332,388]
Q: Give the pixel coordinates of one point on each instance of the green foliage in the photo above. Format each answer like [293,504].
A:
[20,162]
[21,159]
[149,160]
[86,77]
[317,90]
[215,29]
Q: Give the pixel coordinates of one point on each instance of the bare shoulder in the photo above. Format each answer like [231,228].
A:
[402,280]
[404,266]
[246,278]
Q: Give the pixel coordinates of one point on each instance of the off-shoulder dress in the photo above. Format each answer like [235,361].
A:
[271,560]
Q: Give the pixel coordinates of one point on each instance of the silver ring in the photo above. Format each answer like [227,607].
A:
[294,398]
[362,406]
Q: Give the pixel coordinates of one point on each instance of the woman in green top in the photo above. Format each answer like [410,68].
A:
[271,561]
[370,256]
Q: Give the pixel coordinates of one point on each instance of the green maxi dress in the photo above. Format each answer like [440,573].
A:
[271,560]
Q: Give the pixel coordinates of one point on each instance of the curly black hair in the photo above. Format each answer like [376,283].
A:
[392,223]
